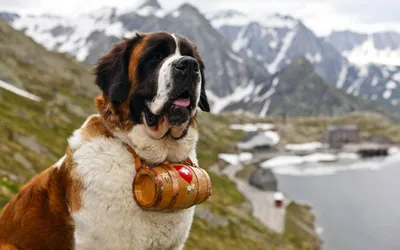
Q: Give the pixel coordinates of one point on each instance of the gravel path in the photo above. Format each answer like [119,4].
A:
[261,201]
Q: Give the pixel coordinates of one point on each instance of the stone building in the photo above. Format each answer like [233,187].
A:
[337,136]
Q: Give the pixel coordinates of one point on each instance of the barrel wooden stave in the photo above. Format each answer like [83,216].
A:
[177,187]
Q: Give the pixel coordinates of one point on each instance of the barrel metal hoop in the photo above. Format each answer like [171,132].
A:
[175,190]
[159,188]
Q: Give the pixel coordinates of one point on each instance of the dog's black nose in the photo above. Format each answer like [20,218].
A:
[187,64]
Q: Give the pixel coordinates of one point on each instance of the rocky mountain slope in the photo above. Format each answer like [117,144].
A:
[298,90]
[240,54]
[90,35]
[33,135]
[277,40]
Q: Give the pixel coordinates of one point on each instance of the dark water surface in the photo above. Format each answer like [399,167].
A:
[357,205]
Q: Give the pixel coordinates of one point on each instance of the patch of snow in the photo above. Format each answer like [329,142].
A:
[391,85]
[275,82]
[176,13]
[348,156]
[374,81]
[307,171]
[367,53]
[235,159]
[146,11]
[115,29]
[238,94]
[161,13]
[342,76]
[310,146]
[319,230]
[278,21]
[333,168]
[265,108]
[314,58]
[266,95]
[287,41]
[396,77]
[355,85]
[273,136]
[387,94]
[258,89]
[385,73]
[239,20]
[320,157]
[235,20]
[249,53]
[394,150]
[83,52]
[240,41]
[273,44]
[251,127]
[279,161]
[19,91]
[235,57]
[268,138]
[269,93]
[76,41]
[364,72]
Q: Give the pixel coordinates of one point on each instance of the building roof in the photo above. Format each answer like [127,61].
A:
[259,139]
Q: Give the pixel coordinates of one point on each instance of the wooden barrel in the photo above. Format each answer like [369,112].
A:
[168,187]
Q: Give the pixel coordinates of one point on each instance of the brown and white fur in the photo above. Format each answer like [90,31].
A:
[151,87]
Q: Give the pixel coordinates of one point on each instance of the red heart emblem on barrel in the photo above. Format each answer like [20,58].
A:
[185,173]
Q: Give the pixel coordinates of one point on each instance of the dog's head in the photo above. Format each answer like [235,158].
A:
[155,80]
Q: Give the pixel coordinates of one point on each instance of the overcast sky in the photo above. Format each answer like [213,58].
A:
[322,16]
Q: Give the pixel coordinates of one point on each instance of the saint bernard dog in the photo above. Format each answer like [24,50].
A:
[152,86]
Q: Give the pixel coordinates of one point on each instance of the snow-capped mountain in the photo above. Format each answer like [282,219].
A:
[361,49]
[244,58]
[297,90]
[90,35]
[277,40]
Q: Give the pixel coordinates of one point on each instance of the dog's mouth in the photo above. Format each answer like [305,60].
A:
[183,100]
[173,120]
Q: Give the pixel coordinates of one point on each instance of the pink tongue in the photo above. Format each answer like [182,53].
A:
[182,102]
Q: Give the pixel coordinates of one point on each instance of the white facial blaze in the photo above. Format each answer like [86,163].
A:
[165,84]
[177,52]
[198,91]
[165,81]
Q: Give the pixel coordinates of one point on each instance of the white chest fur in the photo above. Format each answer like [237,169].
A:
[109,217]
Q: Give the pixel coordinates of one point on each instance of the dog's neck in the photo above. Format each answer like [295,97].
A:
[155,151]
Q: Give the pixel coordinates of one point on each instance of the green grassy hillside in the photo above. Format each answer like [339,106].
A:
[306,129]
[33,135]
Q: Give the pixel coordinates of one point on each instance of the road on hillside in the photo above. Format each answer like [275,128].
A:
[262,201]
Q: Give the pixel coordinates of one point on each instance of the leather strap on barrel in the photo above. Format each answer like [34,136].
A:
[139,164]
[138,161]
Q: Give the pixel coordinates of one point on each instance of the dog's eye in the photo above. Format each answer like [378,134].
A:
[157,56]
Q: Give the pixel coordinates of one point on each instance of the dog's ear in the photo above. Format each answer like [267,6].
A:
[111,71]
[203,103]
